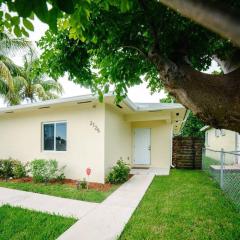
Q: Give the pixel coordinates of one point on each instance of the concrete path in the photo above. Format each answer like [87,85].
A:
[107,220]
[45,203]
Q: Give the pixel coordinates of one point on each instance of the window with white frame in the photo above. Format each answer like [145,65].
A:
[54,136]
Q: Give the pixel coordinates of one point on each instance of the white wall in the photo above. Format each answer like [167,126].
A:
[20,138]
[226,141]
[117,138]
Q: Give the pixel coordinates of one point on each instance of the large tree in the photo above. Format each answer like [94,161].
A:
[125,40]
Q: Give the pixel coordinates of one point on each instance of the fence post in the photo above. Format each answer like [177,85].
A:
[222,166]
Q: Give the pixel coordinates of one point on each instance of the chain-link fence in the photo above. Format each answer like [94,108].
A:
[224,167]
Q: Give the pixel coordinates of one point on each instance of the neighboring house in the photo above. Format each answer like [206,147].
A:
[221,139]
[81,132]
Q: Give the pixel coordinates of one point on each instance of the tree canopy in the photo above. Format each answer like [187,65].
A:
[192,127]
[102,43]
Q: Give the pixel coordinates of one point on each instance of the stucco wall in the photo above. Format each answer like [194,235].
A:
[161,140]
[226,142]
[21,138]
[117,138]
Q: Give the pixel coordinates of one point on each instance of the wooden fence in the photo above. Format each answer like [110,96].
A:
[187,152]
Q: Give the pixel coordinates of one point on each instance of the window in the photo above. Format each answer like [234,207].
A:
[223,133]
[217,132]
[55,136]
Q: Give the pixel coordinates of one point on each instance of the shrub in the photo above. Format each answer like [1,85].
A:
[6,168]
[19,169]
[83,183]
[119,173]
[45,170]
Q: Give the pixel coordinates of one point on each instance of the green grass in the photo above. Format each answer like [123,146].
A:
[61,190]
[187,205]
[21,224]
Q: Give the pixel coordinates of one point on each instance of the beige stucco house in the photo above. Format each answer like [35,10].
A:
[81,132]
[221,139]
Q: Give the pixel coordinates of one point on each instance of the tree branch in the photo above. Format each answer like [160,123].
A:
[220,20]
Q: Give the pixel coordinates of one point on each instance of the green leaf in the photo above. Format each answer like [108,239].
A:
[52,19]
[7,16]
[28,24]
[24,7]
[24,32]
[15,20]
[66,6]
[17,31]
[41,10]
[100,96]
[106,88]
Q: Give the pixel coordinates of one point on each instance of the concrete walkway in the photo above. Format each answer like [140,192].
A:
[107,220]
[45,203]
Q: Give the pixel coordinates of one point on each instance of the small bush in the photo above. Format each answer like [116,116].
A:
[45,170]
[119,173]
[6,168]
[19,169]
[83,184]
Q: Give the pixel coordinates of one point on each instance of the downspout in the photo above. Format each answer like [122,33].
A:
[171,153]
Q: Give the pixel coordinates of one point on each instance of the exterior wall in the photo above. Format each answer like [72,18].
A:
[161,138]
[21,138]
[117,138]
[226,142]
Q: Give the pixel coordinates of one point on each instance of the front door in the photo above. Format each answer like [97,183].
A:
[142,146]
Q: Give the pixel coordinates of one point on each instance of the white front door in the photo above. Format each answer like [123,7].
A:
[142,146]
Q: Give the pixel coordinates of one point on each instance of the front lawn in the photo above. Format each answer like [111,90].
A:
[21,224]
[61,190]
[187,205]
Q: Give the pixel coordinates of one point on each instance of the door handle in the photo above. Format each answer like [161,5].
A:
[149,148]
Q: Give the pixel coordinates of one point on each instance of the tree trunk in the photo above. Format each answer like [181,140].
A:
[213,98]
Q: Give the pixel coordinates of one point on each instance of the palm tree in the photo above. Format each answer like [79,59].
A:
[34,86]
[8,47]
[22,83]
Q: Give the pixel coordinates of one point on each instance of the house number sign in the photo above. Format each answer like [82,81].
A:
[94,126]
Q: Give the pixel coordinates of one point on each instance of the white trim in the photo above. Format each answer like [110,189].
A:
[171,147]
[54,138]
[205,128]
[136,107]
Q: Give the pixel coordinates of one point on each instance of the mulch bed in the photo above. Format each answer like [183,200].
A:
[69,182]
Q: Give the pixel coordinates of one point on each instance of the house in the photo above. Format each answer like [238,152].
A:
[221,139]
[80,132]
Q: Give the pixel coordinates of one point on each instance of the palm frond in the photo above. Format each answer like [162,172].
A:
[10,45]
[6,76]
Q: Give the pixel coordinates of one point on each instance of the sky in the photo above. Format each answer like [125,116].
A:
[138,93]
